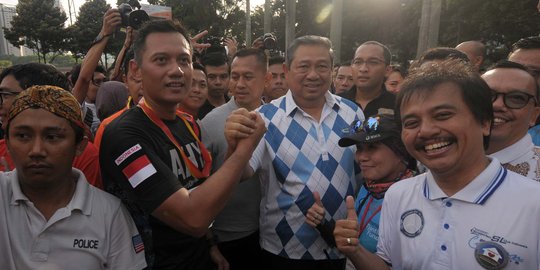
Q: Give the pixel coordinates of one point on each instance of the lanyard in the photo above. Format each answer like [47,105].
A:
[192,167]
[364,225]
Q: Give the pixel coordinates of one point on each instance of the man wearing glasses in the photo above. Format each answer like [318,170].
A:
[514,96]
[371,66]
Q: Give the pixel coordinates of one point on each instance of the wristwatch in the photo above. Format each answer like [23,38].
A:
[98,39]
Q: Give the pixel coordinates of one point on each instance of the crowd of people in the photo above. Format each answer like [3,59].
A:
[244,159]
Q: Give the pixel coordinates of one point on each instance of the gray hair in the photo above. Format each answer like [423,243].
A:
[309,40]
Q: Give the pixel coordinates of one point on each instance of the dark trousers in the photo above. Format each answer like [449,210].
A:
[274,262]
[243,253]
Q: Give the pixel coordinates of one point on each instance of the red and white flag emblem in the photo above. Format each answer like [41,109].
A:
[139,170]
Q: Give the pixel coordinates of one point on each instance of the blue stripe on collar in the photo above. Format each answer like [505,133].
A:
[490,189]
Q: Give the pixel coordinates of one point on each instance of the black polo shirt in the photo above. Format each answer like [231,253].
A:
[385,103]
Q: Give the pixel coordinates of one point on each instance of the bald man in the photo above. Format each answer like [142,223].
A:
[475,51]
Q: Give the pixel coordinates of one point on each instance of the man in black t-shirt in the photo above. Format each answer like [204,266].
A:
[152,158]
[371,66]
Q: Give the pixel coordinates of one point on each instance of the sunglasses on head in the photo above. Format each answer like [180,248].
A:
[367,126]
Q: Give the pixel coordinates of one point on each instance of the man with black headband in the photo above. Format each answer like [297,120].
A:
[50,217]
[152,158]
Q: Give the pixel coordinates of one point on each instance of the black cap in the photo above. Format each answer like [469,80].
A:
[376,128]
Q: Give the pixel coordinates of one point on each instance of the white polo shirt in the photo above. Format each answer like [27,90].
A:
[493,220]
[522,157]
[94,231]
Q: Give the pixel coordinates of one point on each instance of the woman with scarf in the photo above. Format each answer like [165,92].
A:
[383,161]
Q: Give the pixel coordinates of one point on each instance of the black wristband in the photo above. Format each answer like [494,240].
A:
[98,39]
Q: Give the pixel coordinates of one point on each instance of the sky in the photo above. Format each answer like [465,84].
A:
[79,3]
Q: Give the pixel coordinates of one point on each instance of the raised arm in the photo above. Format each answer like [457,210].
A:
[116,75]
[111,20]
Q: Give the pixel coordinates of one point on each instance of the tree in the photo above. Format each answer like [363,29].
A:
[38,25]
[87,27]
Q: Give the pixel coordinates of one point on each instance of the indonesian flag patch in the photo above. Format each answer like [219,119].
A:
[139,170]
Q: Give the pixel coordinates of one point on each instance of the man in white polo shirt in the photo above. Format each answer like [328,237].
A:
[515,108]
[50,217]
[467,211]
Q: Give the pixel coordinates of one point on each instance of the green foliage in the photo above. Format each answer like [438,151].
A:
[88,26]
[39,26]
[497,23]
[5,63]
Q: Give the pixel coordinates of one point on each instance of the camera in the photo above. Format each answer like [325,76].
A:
[131,17]
[269,41]
[216,45]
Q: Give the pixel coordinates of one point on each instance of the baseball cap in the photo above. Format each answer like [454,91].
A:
[376,128]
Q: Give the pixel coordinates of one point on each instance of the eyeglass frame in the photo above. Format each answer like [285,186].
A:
[495,95]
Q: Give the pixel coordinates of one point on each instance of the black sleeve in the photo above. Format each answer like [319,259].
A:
[326,229]
[129,160]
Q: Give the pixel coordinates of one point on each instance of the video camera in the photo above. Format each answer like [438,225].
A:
[216,45]
[131,17]
[269,41]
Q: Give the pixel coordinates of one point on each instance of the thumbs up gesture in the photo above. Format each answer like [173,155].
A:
[346,230]
[315,214]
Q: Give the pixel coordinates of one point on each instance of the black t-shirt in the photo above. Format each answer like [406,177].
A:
[383,104]
[142,167]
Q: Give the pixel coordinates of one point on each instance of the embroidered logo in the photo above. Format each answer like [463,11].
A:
[127,154]
[412,223]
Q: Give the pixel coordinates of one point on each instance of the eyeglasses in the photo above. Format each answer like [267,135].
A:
[513,99]
[98,82]
[368,126]
[4,94]
[369,63]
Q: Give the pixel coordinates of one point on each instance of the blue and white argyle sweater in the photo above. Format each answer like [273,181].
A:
[297,156]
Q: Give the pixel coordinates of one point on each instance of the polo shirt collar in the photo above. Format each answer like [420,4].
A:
[81,199]
[291,106]
[514,151]
[477,191]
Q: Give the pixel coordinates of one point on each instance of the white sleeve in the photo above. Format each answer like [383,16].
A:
[256,158]
[127,248]
[386,231]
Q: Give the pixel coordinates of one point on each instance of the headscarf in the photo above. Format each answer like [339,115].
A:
[111,97]
[50,98]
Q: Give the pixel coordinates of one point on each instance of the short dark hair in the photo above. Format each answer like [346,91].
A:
[526,43]
[156,26]
[386,52]
[309,40]
[345,64]
[276,60]
[214,59]
[442,53]
[259,54]
[197,66]
[510,64]
[76,70]
[474,90]
[31,74]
